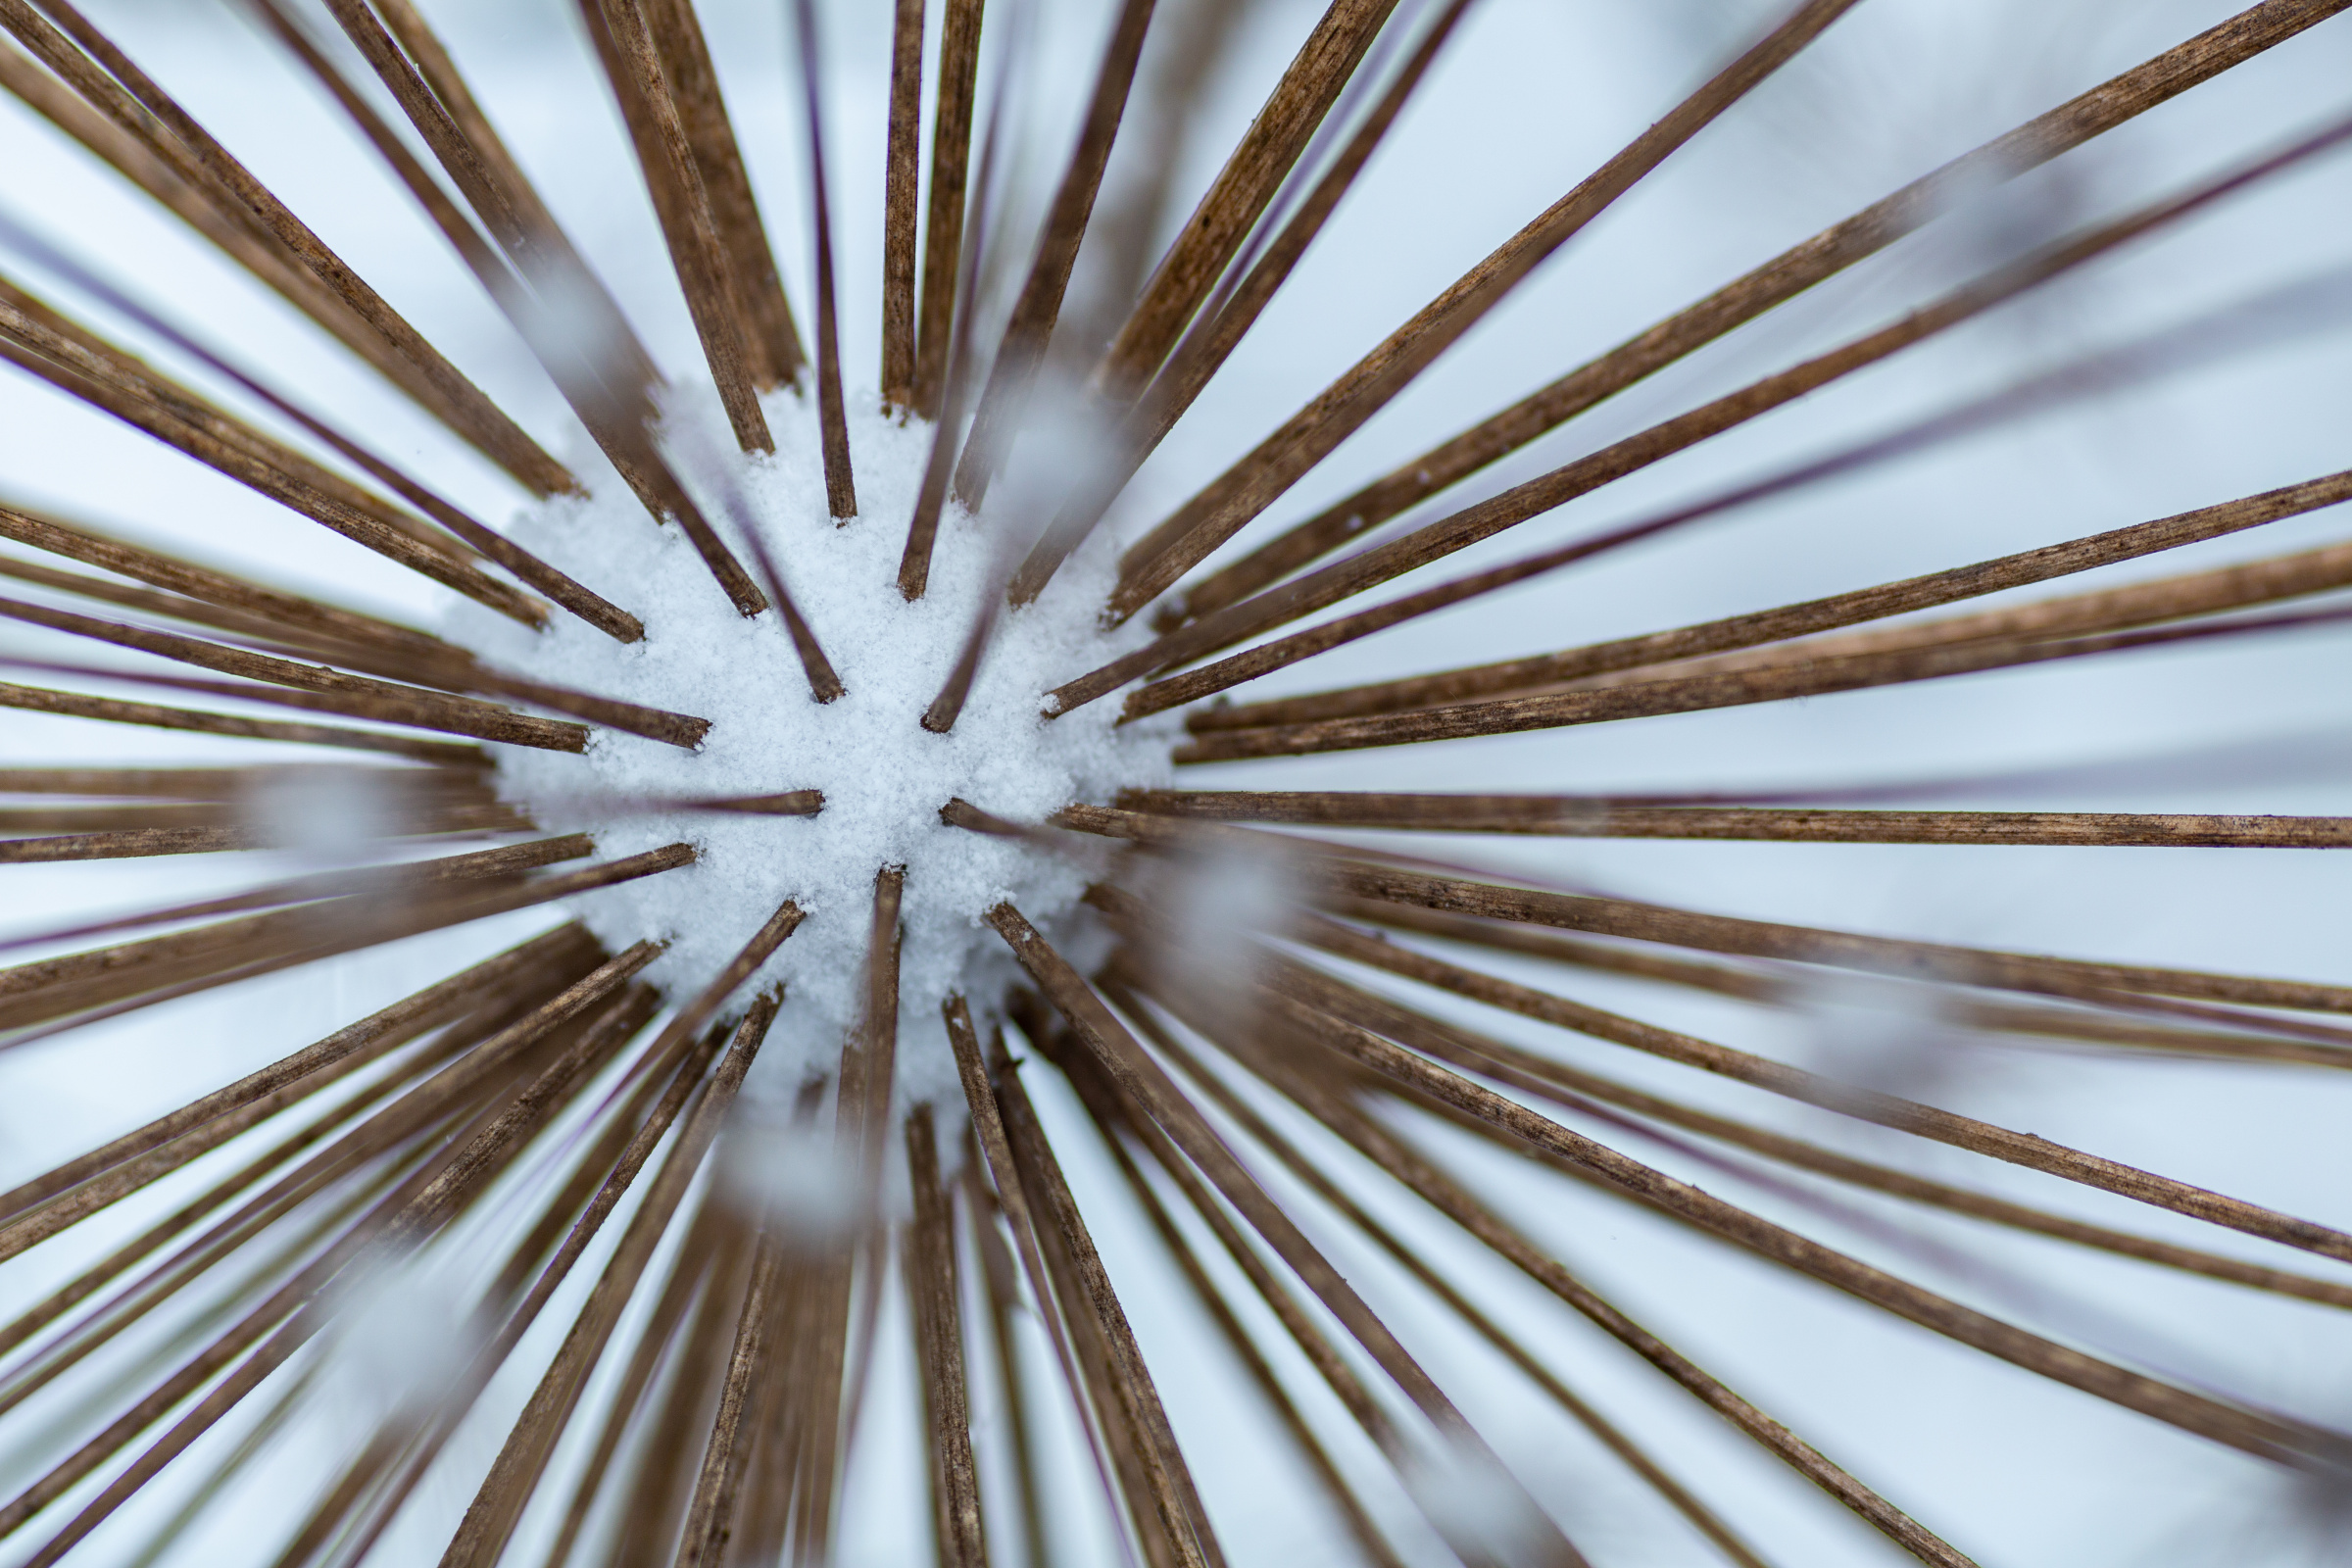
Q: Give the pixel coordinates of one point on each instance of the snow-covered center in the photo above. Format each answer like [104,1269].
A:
[884,776]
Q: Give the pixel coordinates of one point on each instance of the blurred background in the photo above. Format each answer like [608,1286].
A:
[2253,390]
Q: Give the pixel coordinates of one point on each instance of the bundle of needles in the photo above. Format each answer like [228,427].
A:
[866,1100]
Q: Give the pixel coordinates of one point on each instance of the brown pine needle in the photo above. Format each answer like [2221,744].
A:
[1459,530]
[841,486]
[137,105]
[1701,1518]
[306,1071]
[1573,1087]
[2249,1431]
[902,175]
[1464,1050]
[1212,340]
[2251,1037]
[1891,956]
[1144,1082]
[1449,1197]
[37,339]
[232,950]
[1181,542]
[488,1522]
[74,705]
[359,696]
[944,238]
[719,1486]
[1162,1504]
[1736,631]
[771,344]
[2072,124]
[1256,170]
[1021,354]
[1587,816]
[1933,651]
[683,204]
[938,1311]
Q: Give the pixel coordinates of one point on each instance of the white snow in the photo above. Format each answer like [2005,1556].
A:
[883,775]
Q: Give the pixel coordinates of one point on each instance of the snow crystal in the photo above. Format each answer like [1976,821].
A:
[883,775]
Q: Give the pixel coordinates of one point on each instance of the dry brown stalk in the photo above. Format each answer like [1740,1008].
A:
[610,396]
[938,1304]
[1410,1169]
[2063,1023]
[1109,1108]
[2247,585]
[39,700]
[293,1078]
[901,179]
[1657,648]
[1144,1082]
[37,339]
[1577,1089]
[1924,961]
[877,1065]
[472,145]
[556,966]
[358,696]
[943,243]
[1366,1534]
[245,628]
[1256,170]
[771,344]
[832,417]
[681,1294]
[1896,657]
[1010,1199]
[652,1503]
[1587,817]
[1162,1502]
[1435,540]
[718,1485]
[1188,535]
[1463,1048]
[55,988]
[290,614]
[1001,1290]
[1021,354]
[1701,1517]
[419,1205]
[532,570]
[200,204]
[490,1519]
[1149,413]
[2086,115]
[683,203]
[128,844]
[2247,1430]
[112,819]
[204,171]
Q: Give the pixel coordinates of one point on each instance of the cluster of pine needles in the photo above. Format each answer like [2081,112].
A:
[715,1342]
